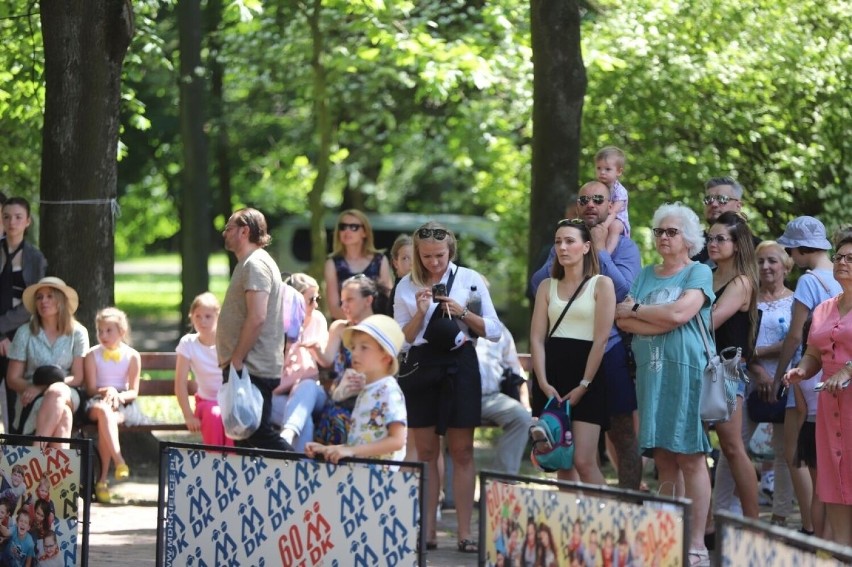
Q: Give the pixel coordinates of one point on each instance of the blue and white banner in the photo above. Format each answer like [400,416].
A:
[245,508]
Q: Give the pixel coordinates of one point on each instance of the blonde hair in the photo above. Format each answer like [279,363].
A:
[117,316]
[368,247]
[300,282]
[202,300]
[611,153]
[786,261]
[64,318]
[419,273]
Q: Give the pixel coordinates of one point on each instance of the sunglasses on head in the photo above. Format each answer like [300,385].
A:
[353,226]
[570,222]
[436,233]
[721,199]
[670,232]
[596,199]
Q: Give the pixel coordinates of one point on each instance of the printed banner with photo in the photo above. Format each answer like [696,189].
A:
[242,508]
[39,490]
[528,522]
[746,542]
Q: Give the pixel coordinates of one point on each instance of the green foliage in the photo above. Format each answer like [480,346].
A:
[694,89]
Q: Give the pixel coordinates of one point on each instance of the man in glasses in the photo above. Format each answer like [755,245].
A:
[622,266]
[249,332]
[721,194]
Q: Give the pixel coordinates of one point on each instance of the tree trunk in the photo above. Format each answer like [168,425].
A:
[221,142]
[84,48]
[195,201]
[559,85]
[322,116]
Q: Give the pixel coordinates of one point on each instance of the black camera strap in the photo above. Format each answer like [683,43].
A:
[450,281]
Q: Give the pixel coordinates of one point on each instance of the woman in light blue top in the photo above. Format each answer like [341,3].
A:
[670,358]
[52,338]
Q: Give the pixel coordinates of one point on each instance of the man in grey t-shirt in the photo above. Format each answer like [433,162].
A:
[250,331]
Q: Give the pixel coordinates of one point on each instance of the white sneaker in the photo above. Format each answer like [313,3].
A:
[541,440]
[767,483]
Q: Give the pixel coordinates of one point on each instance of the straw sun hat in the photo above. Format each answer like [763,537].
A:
[54,283]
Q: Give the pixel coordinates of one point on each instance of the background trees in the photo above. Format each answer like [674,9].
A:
[427,107]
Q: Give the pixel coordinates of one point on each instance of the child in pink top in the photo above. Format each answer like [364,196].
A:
[197,353]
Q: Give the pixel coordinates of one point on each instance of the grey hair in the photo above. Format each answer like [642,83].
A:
[735,187]
[690,226]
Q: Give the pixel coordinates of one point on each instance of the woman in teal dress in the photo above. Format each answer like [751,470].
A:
[670,357]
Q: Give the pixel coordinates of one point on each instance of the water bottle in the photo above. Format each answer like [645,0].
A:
[474,305]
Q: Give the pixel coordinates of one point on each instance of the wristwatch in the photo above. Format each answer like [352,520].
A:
[635,309]
[585,383]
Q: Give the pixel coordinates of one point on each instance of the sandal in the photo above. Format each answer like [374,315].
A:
[539,436]
[102,494]
[122,471]
[699,558]
[468,546]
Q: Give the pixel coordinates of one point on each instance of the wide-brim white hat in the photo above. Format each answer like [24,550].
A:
[385,330]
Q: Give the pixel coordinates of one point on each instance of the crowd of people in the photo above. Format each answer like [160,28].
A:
[408,369]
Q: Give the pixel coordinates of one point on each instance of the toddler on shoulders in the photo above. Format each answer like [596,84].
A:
[609,165]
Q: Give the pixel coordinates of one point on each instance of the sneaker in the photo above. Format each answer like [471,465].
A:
[540,438]
[767,483]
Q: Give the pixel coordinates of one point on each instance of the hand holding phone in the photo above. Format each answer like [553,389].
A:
[438,289]
[820,386]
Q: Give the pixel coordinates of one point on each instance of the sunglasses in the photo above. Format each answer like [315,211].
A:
[719,239]
[353,226]
[596,199]
[436,233]
[670,232]
[838,258]
[570,222]
[721,199]
[315,299]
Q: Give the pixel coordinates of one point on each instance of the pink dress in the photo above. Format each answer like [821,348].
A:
[832,336]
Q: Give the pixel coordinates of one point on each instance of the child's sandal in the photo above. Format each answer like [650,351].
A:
[122,471]
[102,494]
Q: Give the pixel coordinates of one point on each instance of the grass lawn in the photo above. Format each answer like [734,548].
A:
[149,288]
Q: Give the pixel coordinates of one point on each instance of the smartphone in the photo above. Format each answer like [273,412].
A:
[438,289]
[820,386]
[782,393]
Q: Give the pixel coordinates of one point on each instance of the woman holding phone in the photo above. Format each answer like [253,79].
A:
[440,372]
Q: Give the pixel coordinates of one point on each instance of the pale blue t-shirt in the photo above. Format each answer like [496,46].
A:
[813,287]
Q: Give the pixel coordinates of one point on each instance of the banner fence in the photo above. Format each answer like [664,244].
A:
[239,506]
[40,489]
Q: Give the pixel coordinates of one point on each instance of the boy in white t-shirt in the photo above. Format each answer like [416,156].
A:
[379,419]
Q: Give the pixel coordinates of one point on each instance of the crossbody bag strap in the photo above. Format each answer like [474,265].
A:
[567,305]
[819,279]
[703,330]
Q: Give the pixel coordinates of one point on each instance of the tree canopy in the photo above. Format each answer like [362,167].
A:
[430,107]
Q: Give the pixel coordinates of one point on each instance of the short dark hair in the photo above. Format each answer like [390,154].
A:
[716,181]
